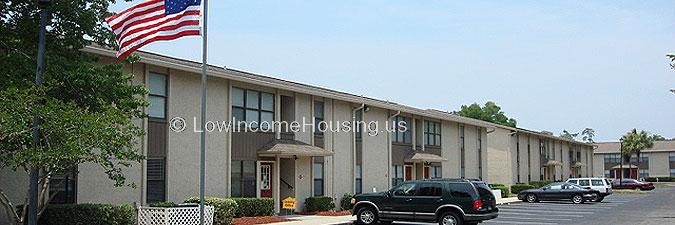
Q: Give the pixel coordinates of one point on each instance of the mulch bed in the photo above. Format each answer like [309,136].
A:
[258,220]
[337,213]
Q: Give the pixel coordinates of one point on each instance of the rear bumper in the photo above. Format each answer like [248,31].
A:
[481,217]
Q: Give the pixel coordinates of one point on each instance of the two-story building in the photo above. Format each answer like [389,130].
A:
[658,161]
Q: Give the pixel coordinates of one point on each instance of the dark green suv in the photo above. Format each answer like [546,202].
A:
[446,201]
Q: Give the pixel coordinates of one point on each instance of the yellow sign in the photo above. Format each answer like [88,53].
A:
[288,203]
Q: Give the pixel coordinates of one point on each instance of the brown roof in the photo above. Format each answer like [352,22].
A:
[292,148]
[423,157]
[613,147]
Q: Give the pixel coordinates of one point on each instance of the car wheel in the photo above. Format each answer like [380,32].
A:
[450,218]
[598,199]
[577,199]
[366,215]
[531,198]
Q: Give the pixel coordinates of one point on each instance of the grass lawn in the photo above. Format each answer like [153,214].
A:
[631,192]
[662,186]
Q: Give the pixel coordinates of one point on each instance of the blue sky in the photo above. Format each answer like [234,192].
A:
[552,66]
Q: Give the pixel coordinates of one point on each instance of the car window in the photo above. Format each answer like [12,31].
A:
[597,182]
[607,182]
[483,190]
[556,187]
[584,183]
[429,190]
[463,190]
[573,181]
[406,189]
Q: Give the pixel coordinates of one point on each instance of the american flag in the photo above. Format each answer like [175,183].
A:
[154,20]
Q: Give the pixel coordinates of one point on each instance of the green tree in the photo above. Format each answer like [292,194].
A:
[87,108]
[635,142]
[490,112]
[658,137]
[587,135]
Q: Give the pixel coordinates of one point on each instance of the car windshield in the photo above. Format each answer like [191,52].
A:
[572,186]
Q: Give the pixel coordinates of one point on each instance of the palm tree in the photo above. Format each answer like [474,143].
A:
[634,142]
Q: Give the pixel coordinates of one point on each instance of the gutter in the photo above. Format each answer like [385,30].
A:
[390,148]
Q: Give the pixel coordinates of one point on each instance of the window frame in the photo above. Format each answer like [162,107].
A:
[318,118]
[164,97]
[395,179]
[246,108]
[405,137]
[435,133]
[321,180]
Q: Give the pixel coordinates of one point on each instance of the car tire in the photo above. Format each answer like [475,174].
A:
[450,218]
[366,215]
[577,199]
[531,198]
[599,199]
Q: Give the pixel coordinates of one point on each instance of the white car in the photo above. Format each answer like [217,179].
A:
[596,183]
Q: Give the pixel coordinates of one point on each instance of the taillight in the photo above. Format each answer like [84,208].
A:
[477,204]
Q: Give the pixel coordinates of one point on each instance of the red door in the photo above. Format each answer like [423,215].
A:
[266,180]
[426,172]
[408,172]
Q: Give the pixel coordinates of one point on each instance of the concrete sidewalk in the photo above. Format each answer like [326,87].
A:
[506,201]
[317,220]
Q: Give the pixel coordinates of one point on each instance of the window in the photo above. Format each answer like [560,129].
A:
[399,136]
[318,178]
[398,175]
[607,173]
[584,183]
[253,107]
[555,187]
[318,117]
[358,181]
[406,189]
[671,157]
[597,182]
[64,188]
[672,172]
[462,190]
[156,190]
[479,144]
[578,156]
[461,151]
[612,158]
[644,173]
[573,181]
[518,157]
[243,178]
[157,96]
[436,172]
[430,190]
[529,161]
[432,133]
[357,125]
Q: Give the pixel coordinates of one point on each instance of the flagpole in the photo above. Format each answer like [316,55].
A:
[202,146]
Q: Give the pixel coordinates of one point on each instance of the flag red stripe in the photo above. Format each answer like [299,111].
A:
[136,14]
[186,13]
[160,38]
[142,4]
[165,28]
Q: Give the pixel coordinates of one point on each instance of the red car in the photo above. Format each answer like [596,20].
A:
[632,184]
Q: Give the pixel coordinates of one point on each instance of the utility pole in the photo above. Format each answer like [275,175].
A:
[39,77]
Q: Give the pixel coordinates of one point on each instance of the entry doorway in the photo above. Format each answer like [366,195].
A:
[408,172]
[265,180]
[426,172]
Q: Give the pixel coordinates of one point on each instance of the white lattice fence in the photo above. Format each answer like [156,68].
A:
[173,216]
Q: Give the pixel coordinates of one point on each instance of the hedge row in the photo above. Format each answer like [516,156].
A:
[660,179]
[85,214]
[503,188]
[540,183]
[346,201]
[249,207]
[319,204]
[517,188]
[224,209]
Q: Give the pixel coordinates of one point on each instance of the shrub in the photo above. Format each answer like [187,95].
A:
[319,204]
[660,179]
[540,183]
[224,209]
[517,188]
[249,207]
[346,201]
[501,187]
[81,214]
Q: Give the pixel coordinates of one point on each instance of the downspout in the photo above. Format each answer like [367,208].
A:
[363,105]
[390,147]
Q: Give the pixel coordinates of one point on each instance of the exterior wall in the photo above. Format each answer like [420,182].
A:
[523,171]
[500,159]
[659,164]
[343,178]
[450,149]
[471,151]
[375,166]
[303,165]
[599,161]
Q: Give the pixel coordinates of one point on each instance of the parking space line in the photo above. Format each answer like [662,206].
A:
[531,214]
[520,222]
[545,219]
[545,211]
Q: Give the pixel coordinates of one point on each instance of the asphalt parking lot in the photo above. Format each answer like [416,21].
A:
[652,208]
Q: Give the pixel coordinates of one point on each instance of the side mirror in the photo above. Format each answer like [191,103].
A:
[545,188]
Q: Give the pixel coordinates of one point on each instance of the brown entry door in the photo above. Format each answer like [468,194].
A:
[408,172]
[266,180]
[426,172]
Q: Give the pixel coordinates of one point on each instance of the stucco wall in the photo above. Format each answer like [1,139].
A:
[659,164]
[499,159]
[343,181]
[450,149]
[599,162]
[375,164]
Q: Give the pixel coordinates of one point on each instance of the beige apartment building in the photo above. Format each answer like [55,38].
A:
[658,161]
[279,163]
[518,155]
